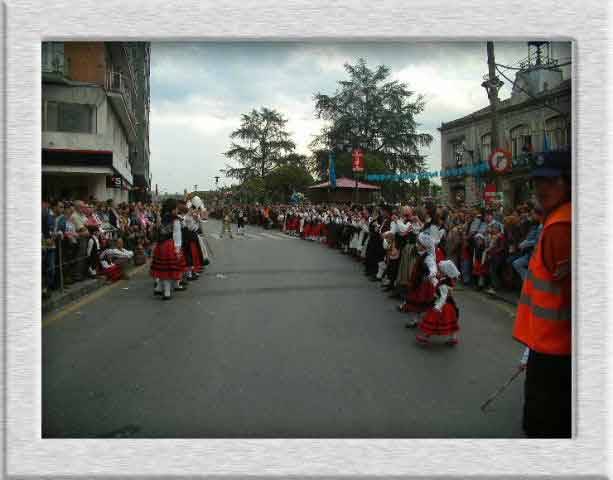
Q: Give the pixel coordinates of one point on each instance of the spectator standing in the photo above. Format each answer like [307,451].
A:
[543,320]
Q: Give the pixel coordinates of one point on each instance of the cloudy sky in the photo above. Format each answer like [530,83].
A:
[200,90]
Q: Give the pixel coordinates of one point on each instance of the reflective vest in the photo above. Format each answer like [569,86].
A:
[543,319]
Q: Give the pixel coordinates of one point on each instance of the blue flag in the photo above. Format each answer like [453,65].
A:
[332,170]
[545,143]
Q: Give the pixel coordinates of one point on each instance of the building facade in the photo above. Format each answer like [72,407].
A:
[535,118]
[90,127]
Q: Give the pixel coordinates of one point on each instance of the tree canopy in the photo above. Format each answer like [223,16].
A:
[259,145]
[377,115]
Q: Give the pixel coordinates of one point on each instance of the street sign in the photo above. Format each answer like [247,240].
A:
[489,193]
[500,160]
[113,182]
[357,163]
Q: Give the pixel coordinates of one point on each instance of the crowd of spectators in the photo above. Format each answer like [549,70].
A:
[73,229]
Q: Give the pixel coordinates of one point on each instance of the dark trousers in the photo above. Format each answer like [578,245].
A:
[548,396]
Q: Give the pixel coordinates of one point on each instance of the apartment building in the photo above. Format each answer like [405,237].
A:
[92,100]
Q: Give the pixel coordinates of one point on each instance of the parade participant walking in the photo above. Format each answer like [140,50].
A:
[240,221]
[442,318]
[543,320]
[226,223]
[423,281]
[165,266]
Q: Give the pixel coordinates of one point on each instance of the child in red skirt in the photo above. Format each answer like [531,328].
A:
[442,318]
[422,281]
[168,265]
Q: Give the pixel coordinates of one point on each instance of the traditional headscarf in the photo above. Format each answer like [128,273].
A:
[448,268]
[427,242]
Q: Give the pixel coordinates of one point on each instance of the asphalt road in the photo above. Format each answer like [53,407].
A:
[280,338]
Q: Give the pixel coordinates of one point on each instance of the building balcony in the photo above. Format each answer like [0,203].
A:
[55,68]
[120,95]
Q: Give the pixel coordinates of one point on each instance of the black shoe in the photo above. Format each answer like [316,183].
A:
[180,288]
[164,297]
[191,278]
[157,292]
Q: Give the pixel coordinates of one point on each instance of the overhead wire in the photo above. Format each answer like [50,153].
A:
[544,68]
[529,94]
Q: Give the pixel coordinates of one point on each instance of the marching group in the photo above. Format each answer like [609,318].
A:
[417,253]
[414,252]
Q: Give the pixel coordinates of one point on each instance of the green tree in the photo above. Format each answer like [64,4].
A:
[377,115]
[259,145]
[284,180]
[373,162]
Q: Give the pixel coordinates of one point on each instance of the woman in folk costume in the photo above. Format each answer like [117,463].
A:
[422,284]
[166,264]
[480,267]
[442,318]
[192,222]
[392,260]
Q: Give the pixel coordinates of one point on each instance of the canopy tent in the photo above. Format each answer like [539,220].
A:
[345,191]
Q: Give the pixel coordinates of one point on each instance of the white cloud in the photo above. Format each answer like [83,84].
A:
[199,91]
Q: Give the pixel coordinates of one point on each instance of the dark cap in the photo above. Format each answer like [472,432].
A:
[551,164]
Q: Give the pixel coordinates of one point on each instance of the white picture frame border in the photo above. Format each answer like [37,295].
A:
[28,22]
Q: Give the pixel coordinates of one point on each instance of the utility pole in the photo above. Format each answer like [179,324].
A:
[492,85]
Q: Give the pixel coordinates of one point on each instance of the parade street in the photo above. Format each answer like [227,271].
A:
[280,337]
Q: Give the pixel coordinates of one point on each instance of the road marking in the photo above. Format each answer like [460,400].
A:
[250,235]
[89,298]
[274,237]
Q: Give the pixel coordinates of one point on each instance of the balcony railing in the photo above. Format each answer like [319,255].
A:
[117,82]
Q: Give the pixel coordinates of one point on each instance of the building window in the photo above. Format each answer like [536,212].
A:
[521,140]
[53,58]
[457,154]
[70,117]
[486,146]
[557,132]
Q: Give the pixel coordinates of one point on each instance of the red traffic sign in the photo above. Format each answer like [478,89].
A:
[500,160]
[357,158]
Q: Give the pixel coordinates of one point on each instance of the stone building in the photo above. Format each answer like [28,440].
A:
[536,117]
[92,100]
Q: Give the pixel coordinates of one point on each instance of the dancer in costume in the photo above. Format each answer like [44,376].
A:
[423,281]
[165,265]
[442,318]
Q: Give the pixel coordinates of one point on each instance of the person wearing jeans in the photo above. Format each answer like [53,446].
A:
[520,265]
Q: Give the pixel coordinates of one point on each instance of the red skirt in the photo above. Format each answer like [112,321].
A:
[444,322]
[421,298]
[308,230]
[317,230]
[112,273]
[479,269]
[166,264]
[440,255]
[197,258]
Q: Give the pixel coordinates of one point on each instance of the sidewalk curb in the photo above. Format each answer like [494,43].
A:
[77,292]
[496,296]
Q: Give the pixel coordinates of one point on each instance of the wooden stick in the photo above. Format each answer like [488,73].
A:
[502,388]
